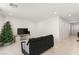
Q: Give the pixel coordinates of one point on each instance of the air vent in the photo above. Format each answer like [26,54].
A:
[13,5]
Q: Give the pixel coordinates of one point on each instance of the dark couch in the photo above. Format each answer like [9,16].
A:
[39,45]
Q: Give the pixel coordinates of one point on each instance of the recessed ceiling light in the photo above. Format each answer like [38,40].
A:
[69,15]
[55,12]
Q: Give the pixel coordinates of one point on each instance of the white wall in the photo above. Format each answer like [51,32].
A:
[42,28]
[1,22]
[47,27]
[64,29]
[55,25]
[18,23]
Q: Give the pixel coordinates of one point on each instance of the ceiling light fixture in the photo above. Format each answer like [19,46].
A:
[55,13]
[69,15]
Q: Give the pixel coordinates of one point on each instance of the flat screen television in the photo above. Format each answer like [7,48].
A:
[21,31]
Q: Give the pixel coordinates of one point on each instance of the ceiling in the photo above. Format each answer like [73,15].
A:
[41,11]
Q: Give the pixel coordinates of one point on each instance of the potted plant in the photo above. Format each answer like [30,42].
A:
[6,36]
